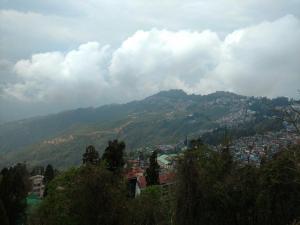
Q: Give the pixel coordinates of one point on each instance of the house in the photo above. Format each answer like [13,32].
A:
[167,161]
[166,180]
[38,186]
[132,178]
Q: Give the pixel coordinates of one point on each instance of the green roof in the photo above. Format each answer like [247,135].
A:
[32,199]
[166,159]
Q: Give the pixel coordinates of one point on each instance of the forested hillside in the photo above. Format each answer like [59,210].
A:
[164,118]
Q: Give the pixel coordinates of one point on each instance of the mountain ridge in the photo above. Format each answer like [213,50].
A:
[165,117]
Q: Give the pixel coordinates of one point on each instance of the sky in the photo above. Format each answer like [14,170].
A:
[58,55]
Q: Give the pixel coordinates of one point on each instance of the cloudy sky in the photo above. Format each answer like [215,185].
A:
[57,55]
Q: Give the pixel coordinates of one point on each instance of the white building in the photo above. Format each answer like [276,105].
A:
[38,186]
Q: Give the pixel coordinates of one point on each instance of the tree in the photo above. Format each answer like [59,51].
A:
[91,156]
[152,173]
[3,214]
[187,189]
[150,208]
[242,189]
[37,170]
[14,187]
[84,196]
[196,143]
[202,195]
[279,196]
[113,155]
[48,176]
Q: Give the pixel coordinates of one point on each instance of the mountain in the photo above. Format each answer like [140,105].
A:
[164,118]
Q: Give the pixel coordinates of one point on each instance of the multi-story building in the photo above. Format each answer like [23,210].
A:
[38,186]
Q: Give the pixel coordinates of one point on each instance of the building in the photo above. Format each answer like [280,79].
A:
[166,180]
[167,161]
[38,186]
[133,176]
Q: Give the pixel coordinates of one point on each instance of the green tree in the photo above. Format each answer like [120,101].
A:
[187,198]
[242,187]
[113,155]
[152,173]
[196,143]
[87,195]
[3,214]
[279,196]
[48,176]
[91,156]
[202,195]
[14,187]
[152,207]
[102,197]
[56,207]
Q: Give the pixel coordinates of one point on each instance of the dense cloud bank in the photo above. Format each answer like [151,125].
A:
[262,59]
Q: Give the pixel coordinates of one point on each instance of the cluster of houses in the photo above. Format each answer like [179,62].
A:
[135,174]
[137,180]
[252,148]
[245,149]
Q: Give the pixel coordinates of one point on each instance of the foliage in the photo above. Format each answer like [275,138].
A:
[87,195]
[279,195]
[212,189]
[91,156]
[14,185]
[113,155]
[3,214]
[152,207]
[152,173]
[48,176]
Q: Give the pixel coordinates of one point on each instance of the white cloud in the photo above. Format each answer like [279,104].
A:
[70,78]
[51,25]
[257,60]
[154,60]
[262,59]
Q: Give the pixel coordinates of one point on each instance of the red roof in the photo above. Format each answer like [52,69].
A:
[134,172]
[142,182]
[166,178]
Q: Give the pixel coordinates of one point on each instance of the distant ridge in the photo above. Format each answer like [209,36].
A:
[165,117]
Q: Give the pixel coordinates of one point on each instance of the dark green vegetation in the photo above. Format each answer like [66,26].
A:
[113,155]
[152,173]
[211,189]
[164,118]
[14,186]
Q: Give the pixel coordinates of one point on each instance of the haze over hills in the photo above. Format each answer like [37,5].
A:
[164,118]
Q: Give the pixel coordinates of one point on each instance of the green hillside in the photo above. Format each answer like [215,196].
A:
[164,118]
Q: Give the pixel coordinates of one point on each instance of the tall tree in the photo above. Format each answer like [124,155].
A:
[3,214]
[152,207]
[48,176]
[196,143]
[202,196]
[14,187]
[187,198]
[84,196]
[91,156]
[152,172]
[279,196]
[113,155]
